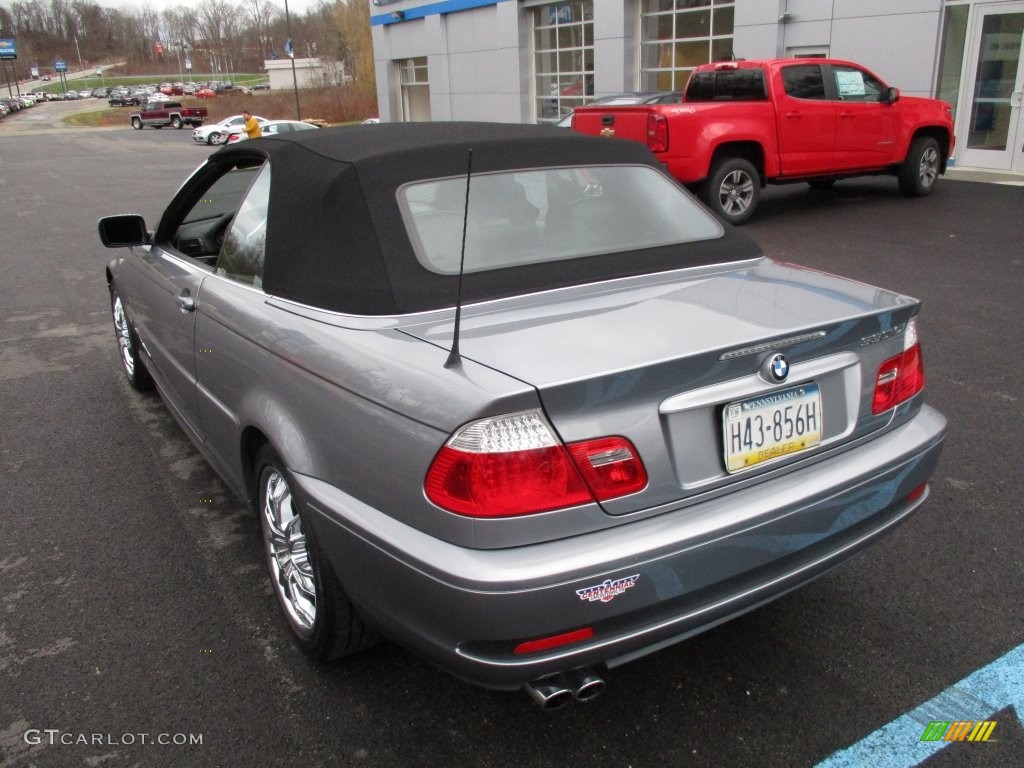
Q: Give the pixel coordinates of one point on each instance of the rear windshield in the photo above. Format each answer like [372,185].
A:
[516,218]
[727,85]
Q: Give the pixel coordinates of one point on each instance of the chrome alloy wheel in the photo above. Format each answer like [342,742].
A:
[124,338]
[928,171]
[288,553]
[736,192]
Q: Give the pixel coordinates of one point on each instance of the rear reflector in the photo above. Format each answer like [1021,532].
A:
[516,465]
[917,493]
[555,641]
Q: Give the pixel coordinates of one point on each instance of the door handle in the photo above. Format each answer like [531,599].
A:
[185,301]
[793,115]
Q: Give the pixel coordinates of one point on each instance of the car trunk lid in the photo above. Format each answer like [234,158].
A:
[659,360]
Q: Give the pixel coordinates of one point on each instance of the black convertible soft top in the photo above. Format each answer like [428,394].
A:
[335,234]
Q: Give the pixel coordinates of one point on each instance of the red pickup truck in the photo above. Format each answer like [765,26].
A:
[158,114]
[744,124]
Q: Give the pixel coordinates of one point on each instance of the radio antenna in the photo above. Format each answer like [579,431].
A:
[454,358]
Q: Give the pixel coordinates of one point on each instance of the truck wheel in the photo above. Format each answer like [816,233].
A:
[920,171]
[733,189]
[176,122]
[137,123]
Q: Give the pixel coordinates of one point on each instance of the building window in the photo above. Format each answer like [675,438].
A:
[678,35]
[415,90]
[563,44]
[951,56]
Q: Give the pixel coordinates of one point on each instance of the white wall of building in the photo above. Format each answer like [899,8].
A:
[897,40]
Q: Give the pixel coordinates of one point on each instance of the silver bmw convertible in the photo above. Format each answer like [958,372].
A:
[512,398]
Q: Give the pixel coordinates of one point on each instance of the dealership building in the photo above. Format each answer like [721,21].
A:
[524,61]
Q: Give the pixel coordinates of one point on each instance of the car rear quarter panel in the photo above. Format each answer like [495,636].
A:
[351,401]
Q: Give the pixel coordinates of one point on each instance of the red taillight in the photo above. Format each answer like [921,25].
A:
[514,465]
[610,466]
[555,641]
[657,133]
[901,377]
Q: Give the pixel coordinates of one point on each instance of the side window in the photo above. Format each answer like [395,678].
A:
[245,246]
[727,85]
[196,228]
[857,85]
[804,81]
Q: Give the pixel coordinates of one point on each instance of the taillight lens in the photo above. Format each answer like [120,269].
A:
[515,465]
[901,377]
[657,132]
[610,465]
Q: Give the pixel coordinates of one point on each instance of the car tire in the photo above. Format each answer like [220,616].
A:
[213,138]
[176,122]
[137,123]
[920,171]
[128,346]
[733,189]
[323,621]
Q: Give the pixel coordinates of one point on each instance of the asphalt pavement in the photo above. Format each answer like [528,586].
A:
[134,609]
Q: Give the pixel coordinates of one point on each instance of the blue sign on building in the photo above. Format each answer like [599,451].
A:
[7,48]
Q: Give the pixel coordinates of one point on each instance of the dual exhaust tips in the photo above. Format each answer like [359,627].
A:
[556,691]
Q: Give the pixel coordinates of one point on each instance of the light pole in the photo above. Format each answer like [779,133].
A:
[79,50]
[291,55]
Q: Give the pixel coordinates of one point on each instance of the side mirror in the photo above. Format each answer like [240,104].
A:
[123,231]
[892,95]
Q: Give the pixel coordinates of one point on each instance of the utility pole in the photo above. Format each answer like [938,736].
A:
[291,55]
[79,50]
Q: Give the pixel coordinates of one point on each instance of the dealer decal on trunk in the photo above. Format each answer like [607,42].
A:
[607,590]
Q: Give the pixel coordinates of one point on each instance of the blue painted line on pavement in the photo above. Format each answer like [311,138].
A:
[977,697]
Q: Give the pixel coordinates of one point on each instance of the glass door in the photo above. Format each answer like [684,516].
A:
[991,127]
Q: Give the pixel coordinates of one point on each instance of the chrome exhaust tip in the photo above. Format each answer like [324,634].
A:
[549,692]
[586,684]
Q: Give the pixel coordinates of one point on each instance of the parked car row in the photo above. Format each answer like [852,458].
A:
[17,103]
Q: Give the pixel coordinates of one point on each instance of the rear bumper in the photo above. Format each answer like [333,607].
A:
[467,609]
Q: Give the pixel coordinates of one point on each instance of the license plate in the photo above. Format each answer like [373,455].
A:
[769,426]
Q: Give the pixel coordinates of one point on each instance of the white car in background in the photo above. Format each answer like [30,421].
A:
[217,133]
[271,128]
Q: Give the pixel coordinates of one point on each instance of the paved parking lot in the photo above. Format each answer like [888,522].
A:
[134,611]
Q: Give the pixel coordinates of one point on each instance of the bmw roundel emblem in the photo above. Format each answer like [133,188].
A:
[778,368]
